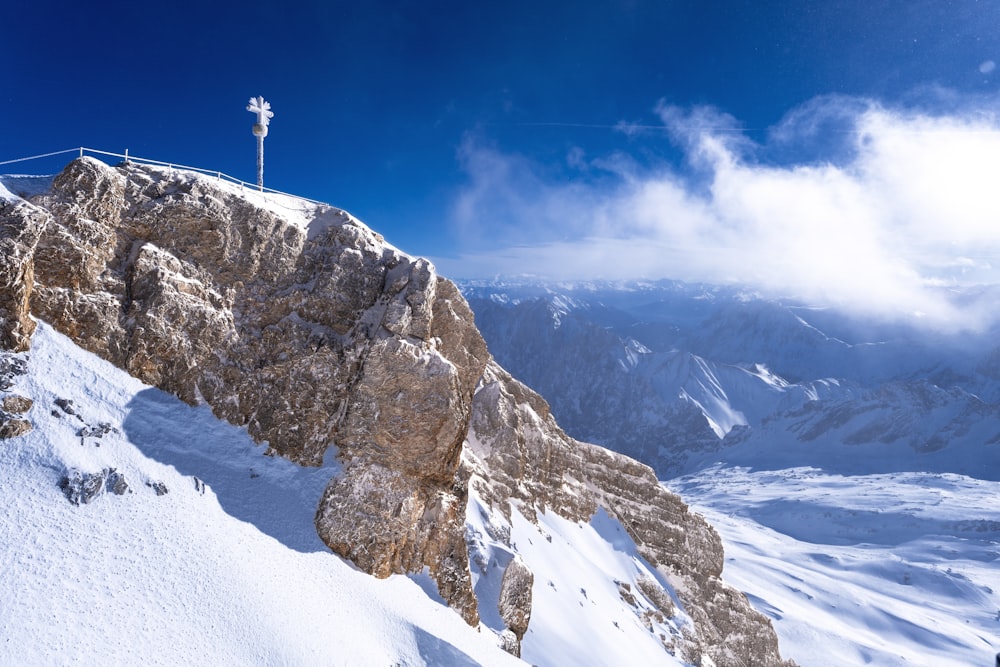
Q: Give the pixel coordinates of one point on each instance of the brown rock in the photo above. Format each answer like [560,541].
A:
[385,523]
[16,404]
[11,428]
[514,603]
[521,455]
[21,224]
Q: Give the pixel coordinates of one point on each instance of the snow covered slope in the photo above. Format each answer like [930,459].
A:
[224,568]
[893,569]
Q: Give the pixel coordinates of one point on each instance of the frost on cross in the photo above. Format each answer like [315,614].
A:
[264,114]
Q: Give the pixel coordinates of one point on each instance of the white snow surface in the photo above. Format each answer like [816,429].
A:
[578,614]
[231,573]
[883,569]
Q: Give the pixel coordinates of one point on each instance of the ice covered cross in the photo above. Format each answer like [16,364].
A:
[264,114]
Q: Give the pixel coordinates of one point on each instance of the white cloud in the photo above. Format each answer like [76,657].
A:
[909,204]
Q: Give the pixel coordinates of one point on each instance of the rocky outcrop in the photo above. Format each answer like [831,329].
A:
[301,324]
[520,456]
[12,405]
[20,227]
[290,318]
[515,602]
[82,487]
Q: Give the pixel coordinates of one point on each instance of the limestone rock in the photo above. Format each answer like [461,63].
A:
[11,427]
[21,225]
[305,328]
[514,603]
[510,643]
[11,366]
[384,523]
[16,404]
[528,459]
[116,483]
[12,405]
[299,323]
[82,487]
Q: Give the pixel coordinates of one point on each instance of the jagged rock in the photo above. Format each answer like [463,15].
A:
[384,523]
[80,487]
[21,224]
[115,483]
[159,488]
[16,404]
[532,462]
[98,431]
[514,603]
[11,367]
[510,643]
[660,599]
[11,427]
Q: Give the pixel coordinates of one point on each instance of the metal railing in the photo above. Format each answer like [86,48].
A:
[169,165]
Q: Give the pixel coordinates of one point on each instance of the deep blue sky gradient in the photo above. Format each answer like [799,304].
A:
[374,101]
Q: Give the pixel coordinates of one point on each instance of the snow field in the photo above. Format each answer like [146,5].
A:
[579,616]
[890,569]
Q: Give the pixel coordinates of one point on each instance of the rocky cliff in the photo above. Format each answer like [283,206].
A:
[298,322]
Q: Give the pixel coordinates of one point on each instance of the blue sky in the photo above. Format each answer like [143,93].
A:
[621,139]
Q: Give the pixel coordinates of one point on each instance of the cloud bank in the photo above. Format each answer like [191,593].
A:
[892,207]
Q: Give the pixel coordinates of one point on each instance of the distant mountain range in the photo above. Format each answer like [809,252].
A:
[681,376]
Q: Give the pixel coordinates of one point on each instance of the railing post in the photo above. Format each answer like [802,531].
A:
[81,151]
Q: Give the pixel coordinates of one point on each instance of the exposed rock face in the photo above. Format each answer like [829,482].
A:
[20,226]
[16,404]
[304,326]
[11,427]
[522,456]
[515,601]
[82,488]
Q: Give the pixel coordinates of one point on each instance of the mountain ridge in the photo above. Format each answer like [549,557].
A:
[733,376]
[301,325]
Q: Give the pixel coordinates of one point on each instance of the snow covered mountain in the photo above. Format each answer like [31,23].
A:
[207,390]
[682,376]
[851,467]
